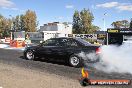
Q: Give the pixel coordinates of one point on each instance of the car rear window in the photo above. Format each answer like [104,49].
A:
[84,42]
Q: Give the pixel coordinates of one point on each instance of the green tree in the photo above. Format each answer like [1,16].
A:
[95,28]
[125,23]
[5,27]
[22,23]
[117,24]
[120,24]
[82,22]
[30,21]
[76,23]
[16,23]
[1,22]
[86,20]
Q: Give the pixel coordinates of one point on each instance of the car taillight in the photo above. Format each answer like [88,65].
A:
[98,51]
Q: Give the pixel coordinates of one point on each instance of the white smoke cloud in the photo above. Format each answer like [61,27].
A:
[112,58]
[91,57]
[116,59]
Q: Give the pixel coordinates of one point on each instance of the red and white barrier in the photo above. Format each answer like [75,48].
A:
[7,40]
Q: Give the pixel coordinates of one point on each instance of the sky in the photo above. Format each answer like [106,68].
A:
[104,11]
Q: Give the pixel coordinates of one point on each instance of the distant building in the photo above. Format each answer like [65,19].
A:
[56,27]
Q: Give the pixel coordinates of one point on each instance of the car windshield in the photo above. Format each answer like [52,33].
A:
[86,43]
[50,42]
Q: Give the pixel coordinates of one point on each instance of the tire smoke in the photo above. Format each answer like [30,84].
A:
[116,59]
[113,58]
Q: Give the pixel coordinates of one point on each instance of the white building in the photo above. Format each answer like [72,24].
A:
[56,27]
[51,30]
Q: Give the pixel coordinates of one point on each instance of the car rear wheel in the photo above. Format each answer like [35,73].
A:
[75,61]
[29,55]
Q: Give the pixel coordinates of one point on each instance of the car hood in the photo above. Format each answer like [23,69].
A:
[33,46]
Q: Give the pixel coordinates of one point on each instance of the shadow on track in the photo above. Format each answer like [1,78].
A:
[52,61]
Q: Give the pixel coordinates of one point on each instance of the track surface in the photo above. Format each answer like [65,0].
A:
[14,57]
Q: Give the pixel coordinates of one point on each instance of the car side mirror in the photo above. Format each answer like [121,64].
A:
[41,43]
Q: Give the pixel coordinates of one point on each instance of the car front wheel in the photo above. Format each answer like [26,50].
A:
[29,55]
[75,61]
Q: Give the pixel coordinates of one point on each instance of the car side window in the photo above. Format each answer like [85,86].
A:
[73,42]
[51,42]
[68,42]
[63,42]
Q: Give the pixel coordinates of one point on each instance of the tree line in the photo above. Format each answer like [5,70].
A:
[25,22]
[122,24]
[82,23]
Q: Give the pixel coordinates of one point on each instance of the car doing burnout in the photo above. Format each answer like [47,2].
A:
[62,48]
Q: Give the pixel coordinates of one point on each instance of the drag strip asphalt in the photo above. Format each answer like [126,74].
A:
[14,57]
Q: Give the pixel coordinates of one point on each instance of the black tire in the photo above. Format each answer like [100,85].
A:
[75,61]
[29,55]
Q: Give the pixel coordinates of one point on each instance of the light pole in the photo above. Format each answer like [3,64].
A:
[104,29]
[11,26]
[104,21]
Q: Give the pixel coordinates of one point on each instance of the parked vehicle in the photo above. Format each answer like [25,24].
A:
[62,48]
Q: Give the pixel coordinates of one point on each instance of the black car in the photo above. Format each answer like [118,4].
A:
[62,48]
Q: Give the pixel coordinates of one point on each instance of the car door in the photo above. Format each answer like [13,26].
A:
[59,50]
[46,49]
[66,47]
